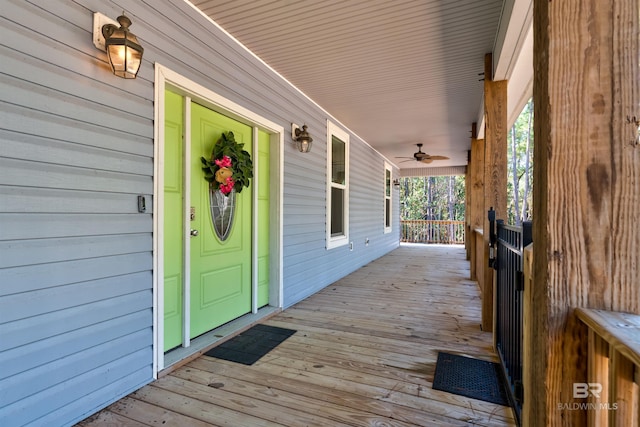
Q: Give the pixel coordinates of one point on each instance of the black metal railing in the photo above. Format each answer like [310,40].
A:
[509,242]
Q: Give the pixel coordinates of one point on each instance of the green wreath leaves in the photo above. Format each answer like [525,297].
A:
[230,166]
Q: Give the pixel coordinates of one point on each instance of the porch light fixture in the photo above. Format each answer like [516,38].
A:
[122,46]
[396,183]
[302,138]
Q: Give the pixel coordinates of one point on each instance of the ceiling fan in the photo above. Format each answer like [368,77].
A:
[419,156]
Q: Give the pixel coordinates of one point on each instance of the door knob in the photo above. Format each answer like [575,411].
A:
[194,232]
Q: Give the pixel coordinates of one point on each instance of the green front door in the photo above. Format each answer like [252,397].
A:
[173,226]
[220,273]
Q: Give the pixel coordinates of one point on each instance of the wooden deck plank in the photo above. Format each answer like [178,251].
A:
[322,393]
[333,414]
[424,336]
[401,349]
[415,380]
[185,403]
[129,412]
[215,394]
[364,354]
[111,419]
[386,389]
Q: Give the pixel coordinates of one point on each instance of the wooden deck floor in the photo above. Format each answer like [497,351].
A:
[364,355]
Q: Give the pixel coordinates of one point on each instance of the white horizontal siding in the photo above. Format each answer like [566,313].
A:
[46,150]
[23,121]
[33,199]
[21,253]
[39,353]
[45,99]
[55,324]
[47,376]
[127,373]
[50,280]
[309,266]
[32,174]
[44,226]
[76,150]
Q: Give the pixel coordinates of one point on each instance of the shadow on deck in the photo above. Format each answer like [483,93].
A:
[364,355]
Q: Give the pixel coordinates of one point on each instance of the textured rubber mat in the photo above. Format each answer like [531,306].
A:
[474,378]
[248,347]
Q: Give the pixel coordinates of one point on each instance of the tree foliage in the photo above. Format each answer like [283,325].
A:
[443,197]
[520,167]
[433,197]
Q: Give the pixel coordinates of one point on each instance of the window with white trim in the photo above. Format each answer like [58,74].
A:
[387,198]
[337,186]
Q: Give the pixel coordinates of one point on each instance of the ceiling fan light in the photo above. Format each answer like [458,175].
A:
[423,157]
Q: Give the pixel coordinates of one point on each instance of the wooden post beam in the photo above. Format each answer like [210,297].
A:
[495,172]
[586,188]
[476,202]
[468,237]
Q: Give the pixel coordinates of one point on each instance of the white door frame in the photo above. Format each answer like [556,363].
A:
[166,78]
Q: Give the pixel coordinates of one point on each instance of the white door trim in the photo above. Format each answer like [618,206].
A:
[186,227]
[165,77]
[254,224]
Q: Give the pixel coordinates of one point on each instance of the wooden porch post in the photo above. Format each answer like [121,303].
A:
[467,202]
[586,189]
[495,172]
[476,202]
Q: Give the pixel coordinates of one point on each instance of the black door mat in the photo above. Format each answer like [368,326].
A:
[474,378]
[248,347]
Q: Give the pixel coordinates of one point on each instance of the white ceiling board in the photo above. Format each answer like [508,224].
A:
[520,88]
[396,72]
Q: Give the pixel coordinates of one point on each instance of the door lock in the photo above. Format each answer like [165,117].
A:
[194,232]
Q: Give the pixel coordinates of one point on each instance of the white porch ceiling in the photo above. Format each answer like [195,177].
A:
[395,72]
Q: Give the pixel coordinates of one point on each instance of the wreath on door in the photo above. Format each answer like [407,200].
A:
[230,167]
[228,172]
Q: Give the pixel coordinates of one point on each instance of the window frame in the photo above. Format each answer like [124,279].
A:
[388,198]
[342,135]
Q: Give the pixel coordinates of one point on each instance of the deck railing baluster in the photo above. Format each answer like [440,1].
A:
[432,231]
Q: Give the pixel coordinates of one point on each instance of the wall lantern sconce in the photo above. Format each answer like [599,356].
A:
[301,137]
[122,46]
[396,183]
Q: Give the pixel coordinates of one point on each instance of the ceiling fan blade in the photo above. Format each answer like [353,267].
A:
[405,161]
[422,157]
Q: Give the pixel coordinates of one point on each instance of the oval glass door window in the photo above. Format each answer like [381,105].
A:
[223,209]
